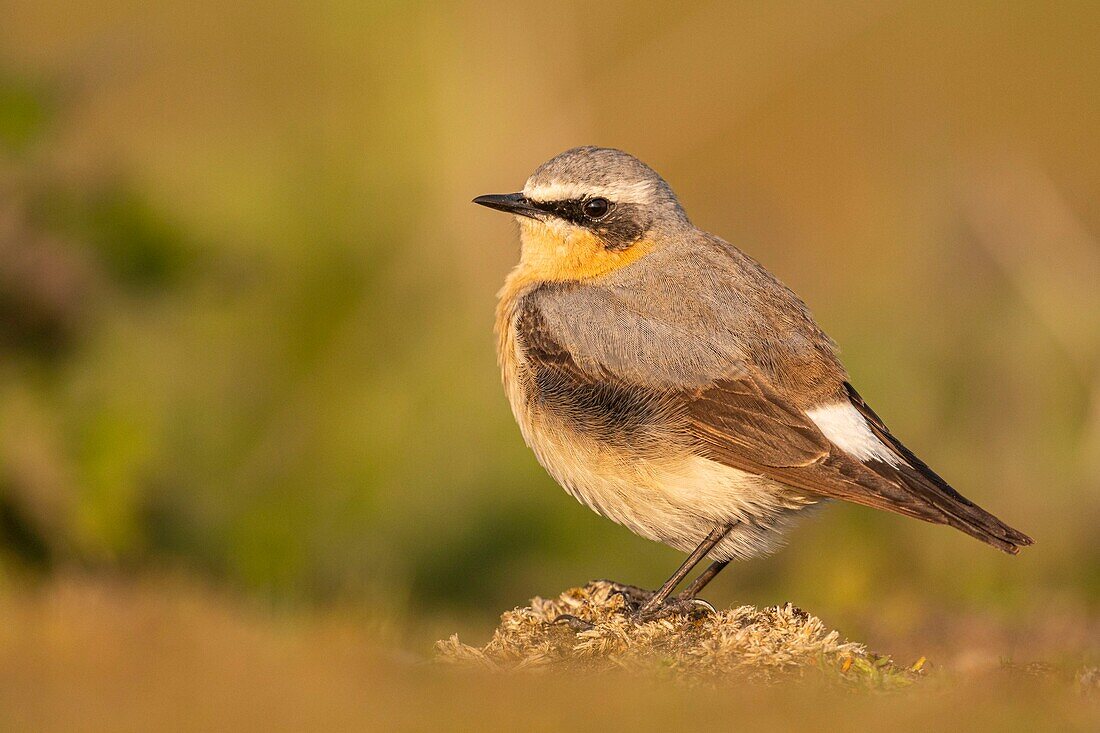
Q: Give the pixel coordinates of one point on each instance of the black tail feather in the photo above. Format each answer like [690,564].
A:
[949,506]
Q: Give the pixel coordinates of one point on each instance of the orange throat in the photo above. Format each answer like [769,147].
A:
[554,252]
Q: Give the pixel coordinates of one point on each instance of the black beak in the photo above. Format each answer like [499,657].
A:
[512,203]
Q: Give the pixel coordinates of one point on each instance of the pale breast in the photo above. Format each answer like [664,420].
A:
[637,468]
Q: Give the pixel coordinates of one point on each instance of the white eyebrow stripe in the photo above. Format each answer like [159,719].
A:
[635,192]
[848,430]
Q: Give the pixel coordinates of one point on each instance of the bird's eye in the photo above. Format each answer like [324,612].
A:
[596,208]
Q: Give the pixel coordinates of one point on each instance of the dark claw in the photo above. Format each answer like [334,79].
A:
[577,624]
[701,605]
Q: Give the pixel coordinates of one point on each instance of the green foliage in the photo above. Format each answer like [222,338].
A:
[246,309]
[26,111]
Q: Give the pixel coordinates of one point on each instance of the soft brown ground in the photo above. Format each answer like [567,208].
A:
[88,654]
[744,643]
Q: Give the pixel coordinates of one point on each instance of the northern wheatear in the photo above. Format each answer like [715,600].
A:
[673,385]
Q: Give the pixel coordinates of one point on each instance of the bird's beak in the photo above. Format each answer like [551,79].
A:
[512,203]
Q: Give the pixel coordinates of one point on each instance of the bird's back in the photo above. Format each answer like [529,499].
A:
[695,310]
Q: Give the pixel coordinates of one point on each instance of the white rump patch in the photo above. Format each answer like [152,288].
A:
[846,427]
[636,192]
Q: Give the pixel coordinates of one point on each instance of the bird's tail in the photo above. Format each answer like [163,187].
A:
[942,504]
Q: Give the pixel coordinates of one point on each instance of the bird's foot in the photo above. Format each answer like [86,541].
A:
[676,606]
[638,604]
[633,599]
[575,623]
[633,596]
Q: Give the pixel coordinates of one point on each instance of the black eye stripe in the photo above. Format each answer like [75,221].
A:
[622,225]
[571,210]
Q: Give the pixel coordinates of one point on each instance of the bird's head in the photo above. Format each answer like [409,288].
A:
[587,212]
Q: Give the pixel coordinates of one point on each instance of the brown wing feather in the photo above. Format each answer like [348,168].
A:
[743,422]
[747,425]
[922,480]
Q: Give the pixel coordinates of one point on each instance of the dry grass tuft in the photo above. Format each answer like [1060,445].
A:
[762,645]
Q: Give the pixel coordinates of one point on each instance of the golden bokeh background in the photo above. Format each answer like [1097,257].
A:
[246,305]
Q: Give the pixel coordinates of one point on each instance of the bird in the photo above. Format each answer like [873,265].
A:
[672,384]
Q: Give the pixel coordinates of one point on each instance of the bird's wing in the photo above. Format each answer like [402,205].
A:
[921,480]
[743,421]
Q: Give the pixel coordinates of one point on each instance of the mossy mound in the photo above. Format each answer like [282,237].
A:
[747,643]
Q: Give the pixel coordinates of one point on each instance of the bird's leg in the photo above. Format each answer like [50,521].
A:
[658,599]
[689,593]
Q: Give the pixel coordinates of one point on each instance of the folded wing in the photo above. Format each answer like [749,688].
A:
[745,424]
[743,420]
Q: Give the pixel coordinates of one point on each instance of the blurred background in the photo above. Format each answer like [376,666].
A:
[246,347]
